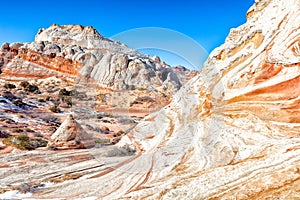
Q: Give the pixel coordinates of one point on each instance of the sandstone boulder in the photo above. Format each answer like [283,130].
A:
[70,135]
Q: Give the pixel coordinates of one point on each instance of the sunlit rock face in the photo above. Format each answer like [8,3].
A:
[231,133]
[251,151]
[70,135]
[259,63]
[77,53]
[83,36]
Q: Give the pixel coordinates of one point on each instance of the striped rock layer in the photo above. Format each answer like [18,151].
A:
[232,132]
[75,53]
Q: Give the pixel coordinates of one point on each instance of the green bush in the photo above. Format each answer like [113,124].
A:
[21,116]
[48,98]
[67,100]
[18,141]
[65,96]
[119,133]
[52,129]
[29,130]
[38,143]
[19,103]
[18,130]
[4,134]
[9,86]
[24,84]
[29,87]
[32,88]
[41,100]
[55,109]
[102,141]
[23,142]
[64,92]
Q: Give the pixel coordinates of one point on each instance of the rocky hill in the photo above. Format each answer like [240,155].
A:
[118,80]
[73,68]
[75,52]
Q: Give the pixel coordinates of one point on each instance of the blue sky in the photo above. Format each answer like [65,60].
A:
[206,22]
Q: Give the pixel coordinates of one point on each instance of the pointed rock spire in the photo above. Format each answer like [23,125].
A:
[70,135]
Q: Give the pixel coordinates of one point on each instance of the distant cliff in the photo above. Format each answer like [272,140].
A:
[75,52]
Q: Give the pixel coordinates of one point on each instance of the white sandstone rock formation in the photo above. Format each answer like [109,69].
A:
[231,133]
[75,53]
[70,135]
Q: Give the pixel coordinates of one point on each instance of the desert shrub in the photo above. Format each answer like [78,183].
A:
[52,129]
[4,134]
[29,87]
[99,116]
[119,133]
[64,92]
[65,96]
[9,95]
[21,116]
[102,141]
[18,130]
[19,103]
[141,100]
[19,141]
[23,142]
[41,100]
[67,100]
[9,86]
[38,135]
[29,130]
[55,109]
[7,120]
[106,121]
[48,98]
[38,143]
[24,84]
[32,88]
